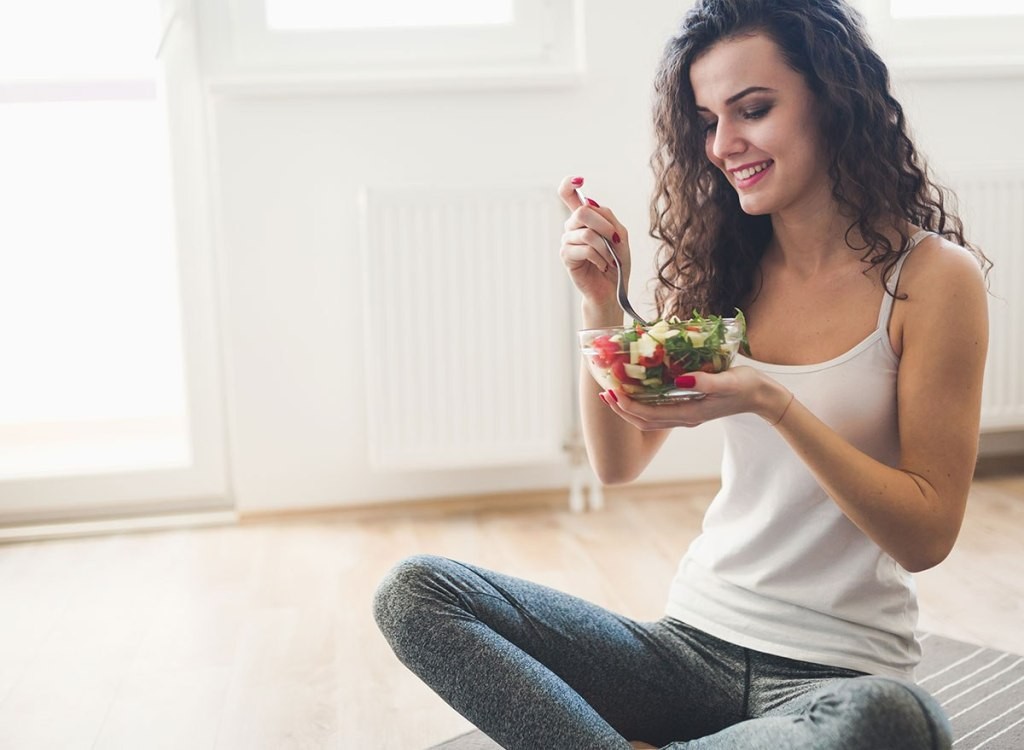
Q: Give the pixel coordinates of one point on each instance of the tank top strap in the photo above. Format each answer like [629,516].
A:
[893,280]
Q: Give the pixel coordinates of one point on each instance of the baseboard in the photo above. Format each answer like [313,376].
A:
[66,529]
[1000,453]
[1001,443]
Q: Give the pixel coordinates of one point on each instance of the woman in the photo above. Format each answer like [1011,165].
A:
[786,186]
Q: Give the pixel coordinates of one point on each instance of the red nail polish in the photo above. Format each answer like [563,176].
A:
[615,238]
[577,181]
[686,381]
[593,203]
[601,396]
[614,397]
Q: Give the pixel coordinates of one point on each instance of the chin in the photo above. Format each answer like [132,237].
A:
[755,206]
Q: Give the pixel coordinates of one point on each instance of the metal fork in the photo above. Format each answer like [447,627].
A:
[621,284]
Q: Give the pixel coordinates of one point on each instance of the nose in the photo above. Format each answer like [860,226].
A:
[727,141]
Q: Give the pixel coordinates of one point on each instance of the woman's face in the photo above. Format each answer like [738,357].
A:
[762,125]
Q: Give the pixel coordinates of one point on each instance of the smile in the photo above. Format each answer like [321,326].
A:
[751,174]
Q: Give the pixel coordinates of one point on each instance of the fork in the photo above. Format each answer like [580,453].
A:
[621,285]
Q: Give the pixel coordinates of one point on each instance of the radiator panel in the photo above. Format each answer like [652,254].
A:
[992,207]
[474,365]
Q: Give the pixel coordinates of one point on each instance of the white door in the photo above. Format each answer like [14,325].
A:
[110,396]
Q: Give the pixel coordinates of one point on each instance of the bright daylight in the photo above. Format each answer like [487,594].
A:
[323,15]
[511,375]
[90,303]
[955,8]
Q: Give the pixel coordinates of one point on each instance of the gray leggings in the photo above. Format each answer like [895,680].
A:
[536,668]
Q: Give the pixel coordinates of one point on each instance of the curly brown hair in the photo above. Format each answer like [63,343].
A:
[709,249]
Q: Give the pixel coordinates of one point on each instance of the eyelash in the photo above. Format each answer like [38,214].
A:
[756,113]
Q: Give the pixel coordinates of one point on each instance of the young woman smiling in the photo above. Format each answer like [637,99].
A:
[787,186]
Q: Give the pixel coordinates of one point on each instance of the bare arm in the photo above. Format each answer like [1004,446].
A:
[618,451]
[913,511]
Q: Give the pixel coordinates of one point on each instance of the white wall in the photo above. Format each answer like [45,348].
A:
[288,169]
[965,123]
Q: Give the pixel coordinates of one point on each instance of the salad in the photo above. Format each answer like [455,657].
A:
[645,361]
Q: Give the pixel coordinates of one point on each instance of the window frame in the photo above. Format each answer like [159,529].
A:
[946,47]
[959,4]
[542,48]
[31,505]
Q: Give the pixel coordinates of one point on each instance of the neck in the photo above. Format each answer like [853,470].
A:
[811,238]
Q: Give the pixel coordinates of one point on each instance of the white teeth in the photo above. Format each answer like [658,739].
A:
[746,174]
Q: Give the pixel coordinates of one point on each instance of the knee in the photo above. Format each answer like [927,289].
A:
[895,711]
[397,595]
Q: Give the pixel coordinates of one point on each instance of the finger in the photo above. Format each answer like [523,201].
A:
[589,238]
[640,416]
[706,382]
[574,255]
[567,191]
[583,199]
[571,191]
[626,408]
[607,224]
[641,424]
[661,416]
[601,220]
[689,380]
[613,401]
[588,202]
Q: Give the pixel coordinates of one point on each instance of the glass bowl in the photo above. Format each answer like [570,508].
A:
[644,361]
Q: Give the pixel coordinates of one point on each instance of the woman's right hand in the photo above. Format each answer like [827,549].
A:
[617,450]
[584,254]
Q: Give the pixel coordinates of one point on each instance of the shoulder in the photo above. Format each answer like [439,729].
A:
[937,267]
[945,292]
[941,296]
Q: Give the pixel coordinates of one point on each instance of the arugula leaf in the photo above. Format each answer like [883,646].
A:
[744,344]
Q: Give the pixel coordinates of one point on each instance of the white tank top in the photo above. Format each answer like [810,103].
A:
[778,567]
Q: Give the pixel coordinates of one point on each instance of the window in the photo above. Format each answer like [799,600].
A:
[322,15]
[947,38]
[64,39]
[89,312]
[955,8]
[296,44]
[103,402]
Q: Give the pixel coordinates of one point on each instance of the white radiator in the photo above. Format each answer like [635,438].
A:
[992,207]
[469,314]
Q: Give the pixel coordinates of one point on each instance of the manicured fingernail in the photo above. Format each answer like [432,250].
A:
[686,381]
[615,238]
[593,203]
[577,181]
[601,396]
[613,396]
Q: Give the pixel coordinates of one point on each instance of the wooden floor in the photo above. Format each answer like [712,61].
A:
[260,635]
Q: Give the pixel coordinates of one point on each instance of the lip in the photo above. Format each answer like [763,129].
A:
[748,165]
[753,179]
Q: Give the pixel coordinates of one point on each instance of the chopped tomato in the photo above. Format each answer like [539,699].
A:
[619,371]
[607,351]
[663,357]
[655,359]
[674,370]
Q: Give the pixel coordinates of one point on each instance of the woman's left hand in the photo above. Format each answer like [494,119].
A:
[737,390]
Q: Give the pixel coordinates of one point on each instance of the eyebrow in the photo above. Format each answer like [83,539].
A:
[736,97]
